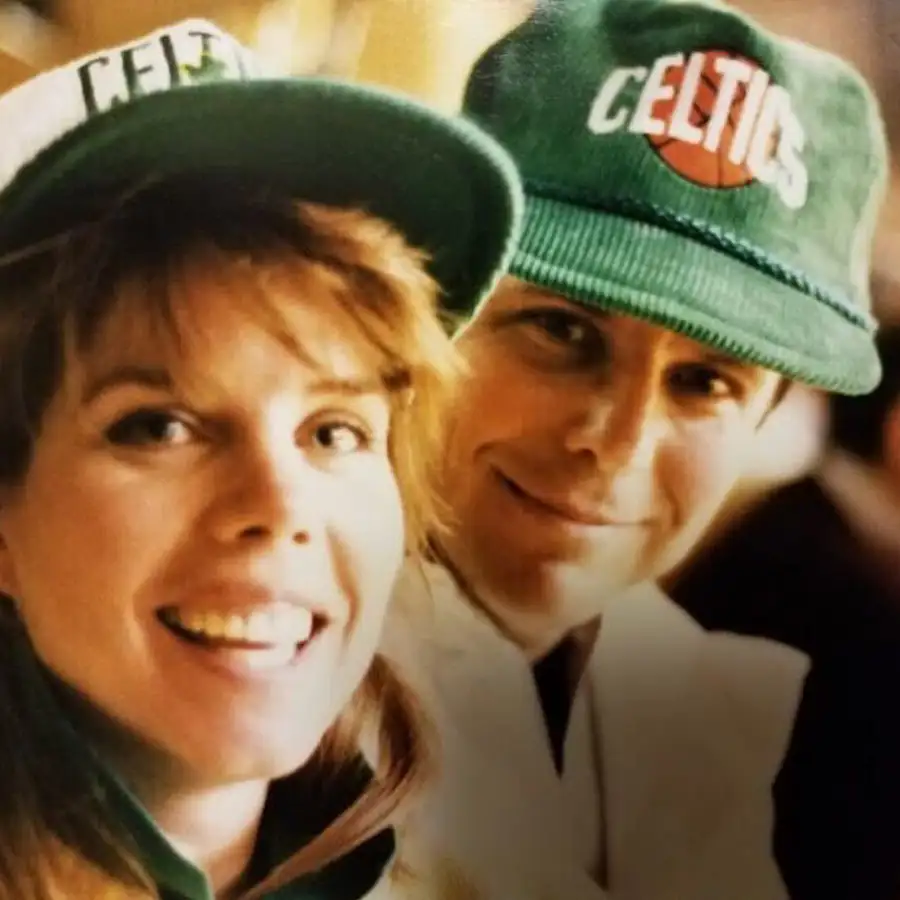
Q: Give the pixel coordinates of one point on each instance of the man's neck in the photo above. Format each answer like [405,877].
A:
[558,654]
[534,631]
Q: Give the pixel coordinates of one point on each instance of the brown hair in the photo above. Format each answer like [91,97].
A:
[54,827]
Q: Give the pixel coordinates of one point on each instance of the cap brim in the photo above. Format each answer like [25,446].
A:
[446,186]
[620,264]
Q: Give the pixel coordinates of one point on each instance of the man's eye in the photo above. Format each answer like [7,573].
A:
[148,427]
[562,338]
[563,326]
[703,382]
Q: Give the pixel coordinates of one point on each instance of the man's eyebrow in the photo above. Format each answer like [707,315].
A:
[141,376]
[740,367]
[535,292]
[349,387]
[724,359]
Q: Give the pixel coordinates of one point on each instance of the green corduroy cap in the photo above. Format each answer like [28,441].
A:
[683,165]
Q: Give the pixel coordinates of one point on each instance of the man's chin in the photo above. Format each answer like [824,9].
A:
[539,607]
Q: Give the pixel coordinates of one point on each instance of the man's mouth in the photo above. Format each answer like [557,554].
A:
[264,637]
[561,508]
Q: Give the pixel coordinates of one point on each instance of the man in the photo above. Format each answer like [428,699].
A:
[700,204]
[817,566]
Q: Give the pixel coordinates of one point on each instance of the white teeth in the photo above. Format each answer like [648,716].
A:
[258,628]
[189,621]
[281,626]
[214,625]
[234,628]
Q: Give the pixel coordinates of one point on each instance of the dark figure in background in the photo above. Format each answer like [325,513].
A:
[817,565]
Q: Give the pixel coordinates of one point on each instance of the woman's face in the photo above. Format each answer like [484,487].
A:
[206,539]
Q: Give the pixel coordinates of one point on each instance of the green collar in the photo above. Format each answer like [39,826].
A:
[297,808]
[294,814]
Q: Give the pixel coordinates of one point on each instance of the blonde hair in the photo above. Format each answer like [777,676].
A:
[56,835]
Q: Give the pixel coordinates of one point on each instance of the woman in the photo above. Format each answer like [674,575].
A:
[213,370]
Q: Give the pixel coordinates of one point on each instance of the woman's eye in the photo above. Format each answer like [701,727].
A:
[148,426]
[340,438]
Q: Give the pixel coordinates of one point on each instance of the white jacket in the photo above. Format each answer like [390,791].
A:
[692,727]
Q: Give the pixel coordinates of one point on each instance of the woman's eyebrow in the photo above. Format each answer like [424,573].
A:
[142,376]
[160,379]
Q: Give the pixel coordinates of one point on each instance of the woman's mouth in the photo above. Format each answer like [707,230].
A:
[260,638]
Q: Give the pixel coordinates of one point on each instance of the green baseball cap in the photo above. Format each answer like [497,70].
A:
[190,98]
[685,166]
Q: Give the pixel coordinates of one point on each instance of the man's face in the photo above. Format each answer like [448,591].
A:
[588,453]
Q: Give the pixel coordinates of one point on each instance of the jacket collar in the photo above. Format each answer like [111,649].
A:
[693,728]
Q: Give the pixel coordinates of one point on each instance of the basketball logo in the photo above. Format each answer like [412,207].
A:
[716,160]
[714,117]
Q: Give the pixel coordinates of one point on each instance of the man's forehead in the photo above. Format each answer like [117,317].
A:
[510,284]
[514,290]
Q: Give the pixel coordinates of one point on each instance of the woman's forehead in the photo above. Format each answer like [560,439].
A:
[205,321]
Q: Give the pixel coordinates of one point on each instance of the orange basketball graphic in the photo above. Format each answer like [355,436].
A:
[694,161]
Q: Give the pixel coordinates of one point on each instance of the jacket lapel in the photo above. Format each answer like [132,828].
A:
[496,813]
[693,728]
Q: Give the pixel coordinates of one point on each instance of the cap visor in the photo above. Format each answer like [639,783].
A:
[620,264]
[448,188]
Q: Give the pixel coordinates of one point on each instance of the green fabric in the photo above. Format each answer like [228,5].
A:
[106,123]
[769,263]
[297,809]
[295,812]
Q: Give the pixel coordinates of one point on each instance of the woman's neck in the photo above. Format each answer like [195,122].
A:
[211,825]
[214,826]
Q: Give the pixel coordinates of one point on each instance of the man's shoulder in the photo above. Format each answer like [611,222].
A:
[646,614]
[759,677]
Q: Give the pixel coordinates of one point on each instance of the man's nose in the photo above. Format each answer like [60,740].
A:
[622,425]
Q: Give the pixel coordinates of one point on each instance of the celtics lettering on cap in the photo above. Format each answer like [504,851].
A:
[169,59]
[190,53]
[714,117]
